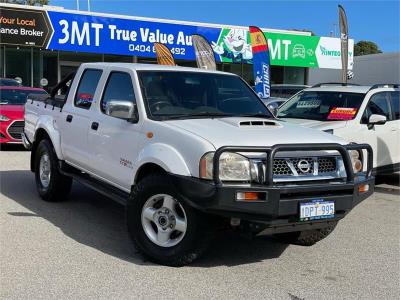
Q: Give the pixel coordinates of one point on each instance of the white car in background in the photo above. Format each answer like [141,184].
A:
[360,114]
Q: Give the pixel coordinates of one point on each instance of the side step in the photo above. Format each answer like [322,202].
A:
[97,185]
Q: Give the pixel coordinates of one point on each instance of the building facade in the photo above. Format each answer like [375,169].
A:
[40,45]
[385,66]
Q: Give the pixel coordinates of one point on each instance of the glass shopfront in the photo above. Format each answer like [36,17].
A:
[44,68]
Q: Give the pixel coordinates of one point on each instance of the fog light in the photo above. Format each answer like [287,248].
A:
[363,188]
[251,196]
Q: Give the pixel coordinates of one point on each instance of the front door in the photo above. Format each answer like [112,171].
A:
[114,141]
[382,138]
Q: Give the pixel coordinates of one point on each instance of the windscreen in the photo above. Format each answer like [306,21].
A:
[16,96]
[171,95]
[322,106]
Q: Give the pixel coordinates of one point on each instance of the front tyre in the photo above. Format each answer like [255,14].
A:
[163,227]
[51,185]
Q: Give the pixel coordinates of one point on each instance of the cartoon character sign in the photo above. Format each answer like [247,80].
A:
[233,46]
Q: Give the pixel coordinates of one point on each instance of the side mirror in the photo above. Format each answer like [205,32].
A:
[273,108]
[375,119]
[122,110]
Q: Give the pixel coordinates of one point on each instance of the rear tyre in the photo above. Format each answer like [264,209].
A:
[51,185]
[305,238]
[162,227]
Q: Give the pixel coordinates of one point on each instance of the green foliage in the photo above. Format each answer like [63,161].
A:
[365,48]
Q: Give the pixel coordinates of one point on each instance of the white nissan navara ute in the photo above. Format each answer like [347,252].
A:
[190,151]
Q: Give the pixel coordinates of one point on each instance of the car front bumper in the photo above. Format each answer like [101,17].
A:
[5,137]
[280,209]
[282,203]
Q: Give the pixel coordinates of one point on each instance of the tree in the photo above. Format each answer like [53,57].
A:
[27,2]
[365,48]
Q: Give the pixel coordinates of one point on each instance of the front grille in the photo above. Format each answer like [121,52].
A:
[15,129]
[304,166]
[326,164]
[281,167]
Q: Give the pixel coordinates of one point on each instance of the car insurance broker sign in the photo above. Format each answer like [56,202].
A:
[24,27]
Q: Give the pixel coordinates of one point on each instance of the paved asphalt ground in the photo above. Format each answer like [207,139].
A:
[80,250]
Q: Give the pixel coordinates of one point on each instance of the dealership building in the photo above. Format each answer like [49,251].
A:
[40,45]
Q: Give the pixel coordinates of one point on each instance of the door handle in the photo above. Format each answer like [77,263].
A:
[95,125]
[69,118]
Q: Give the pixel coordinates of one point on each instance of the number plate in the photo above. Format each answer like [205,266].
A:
[317,209]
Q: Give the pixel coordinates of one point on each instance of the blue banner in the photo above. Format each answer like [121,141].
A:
[261,65]
[85,33]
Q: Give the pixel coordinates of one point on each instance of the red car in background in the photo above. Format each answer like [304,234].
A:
[12,101]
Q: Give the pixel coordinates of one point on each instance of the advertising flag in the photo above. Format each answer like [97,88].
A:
[204,53]
[261,66]
[164,55]
[344,42]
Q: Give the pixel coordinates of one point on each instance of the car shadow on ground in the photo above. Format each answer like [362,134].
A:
[388,184]
[95,221]
[12,147]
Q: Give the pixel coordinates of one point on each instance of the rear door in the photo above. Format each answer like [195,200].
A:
[382,138]
[76,117]
[115,141]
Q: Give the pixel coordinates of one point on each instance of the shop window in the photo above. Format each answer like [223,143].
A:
[276,75]
[146,60]
[44,69]
[247,74]
[294,75]
[18,64]
[80,57]
[118,58]
[2,61]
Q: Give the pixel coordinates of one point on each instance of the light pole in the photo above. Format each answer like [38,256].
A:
[88,5]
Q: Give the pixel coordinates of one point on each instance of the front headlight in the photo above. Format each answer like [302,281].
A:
[3,118]
[232,167]
[356,161]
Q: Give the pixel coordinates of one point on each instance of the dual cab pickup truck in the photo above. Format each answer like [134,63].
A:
[188,152]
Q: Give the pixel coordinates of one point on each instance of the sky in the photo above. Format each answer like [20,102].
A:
[377,21]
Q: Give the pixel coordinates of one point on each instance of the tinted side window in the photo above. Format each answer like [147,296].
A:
[119,88]
[87,87]
[395,104]
[378,105]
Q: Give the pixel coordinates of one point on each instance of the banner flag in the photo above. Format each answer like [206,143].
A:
[164,55]
[344,42]
[261,66]
[204,53]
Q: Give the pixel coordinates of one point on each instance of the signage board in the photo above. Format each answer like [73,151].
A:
[106,34]
[23,27]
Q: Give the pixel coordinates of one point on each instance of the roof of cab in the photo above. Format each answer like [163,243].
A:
[150,67]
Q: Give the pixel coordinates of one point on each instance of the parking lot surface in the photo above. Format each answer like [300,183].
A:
[80,249]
